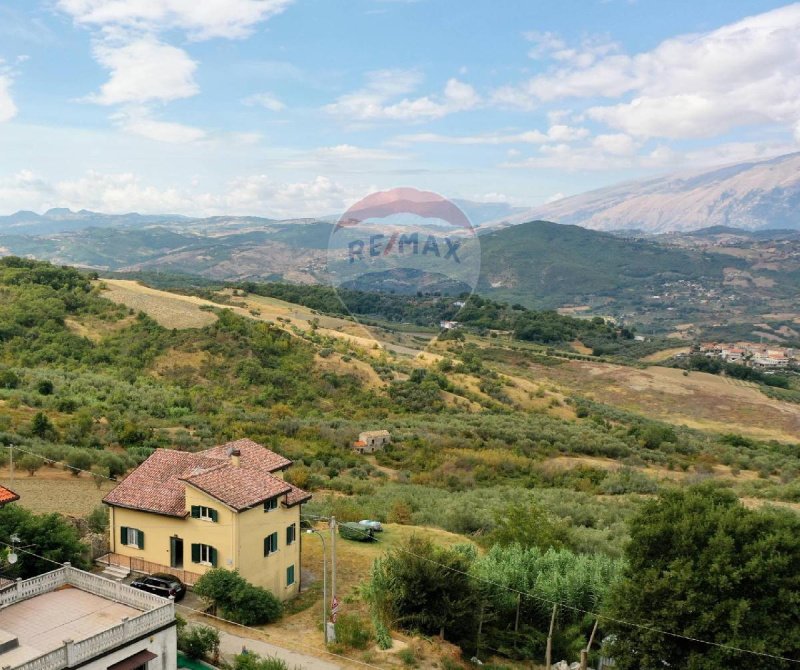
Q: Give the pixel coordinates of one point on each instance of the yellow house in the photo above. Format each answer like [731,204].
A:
[225,507]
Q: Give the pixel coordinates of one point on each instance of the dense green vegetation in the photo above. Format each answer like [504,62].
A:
[702,566]
[46,540]
[547,265]
[90,385]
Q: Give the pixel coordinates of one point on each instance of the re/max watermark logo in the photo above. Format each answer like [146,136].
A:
[401,244]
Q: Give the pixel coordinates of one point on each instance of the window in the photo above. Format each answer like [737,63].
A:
[291,534]
[290,575]
[270,544]
[131,537]
[204,554]
[205,513]
[270,504]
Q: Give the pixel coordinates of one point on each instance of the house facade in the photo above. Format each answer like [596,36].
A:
[225,507]
[371,441]
[69,619]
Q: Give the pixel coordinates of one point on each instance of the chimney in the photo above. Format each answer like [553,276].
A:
[234,455]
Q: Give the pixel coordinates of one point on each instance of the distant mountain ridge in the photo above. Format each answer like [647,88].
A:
[756,195]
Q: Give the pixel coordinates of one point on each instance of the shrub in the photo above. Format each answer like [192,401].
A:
[253,606]
[351,631]
[382,635]
[8,379]
[237,599]
[199,642]
[97,519]
[250,661]
[408,657]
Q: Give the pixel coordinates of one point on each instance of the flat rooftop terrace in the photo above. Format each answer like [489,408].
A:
[42,623]
[68,617]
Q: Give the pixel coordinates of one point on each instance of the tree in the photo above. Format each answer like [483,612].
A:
[42,427]
[701,565]
[528,526]
[421,586]
[49,535]
[45,387]
[78,460]
[30,463]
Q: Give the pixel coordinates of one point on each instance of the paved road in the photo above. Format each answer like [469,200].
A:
[233,644]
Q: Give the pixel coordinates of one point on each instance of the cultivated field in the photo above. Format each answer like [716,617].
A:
[55,490]
[699,400]
[170,310]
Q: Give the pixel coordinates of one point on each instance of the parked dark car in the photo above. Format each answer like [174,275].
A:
[161,584]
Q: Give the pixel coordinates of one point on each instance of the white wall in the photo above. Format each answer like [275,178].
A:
[164,644]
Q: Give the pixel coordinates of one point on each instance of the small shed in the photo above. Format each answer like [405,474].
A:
[370,441]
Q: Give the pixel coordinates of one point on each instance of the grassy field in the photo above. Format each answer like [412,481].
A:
[699,400]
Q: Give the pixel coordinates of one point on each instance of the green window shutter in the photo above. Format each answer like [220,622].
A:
[290,575]
[140,539]
[274,541]
[195,511]
[288,534]
[266,546]
[213,556]
[195,553]
[214,515]
[123,535]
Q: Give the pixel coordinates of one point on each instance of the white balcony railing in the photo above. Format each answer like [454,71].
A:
[156,613]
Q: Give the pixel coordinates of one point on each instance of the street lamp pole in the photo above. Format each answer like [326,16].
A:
[324,583]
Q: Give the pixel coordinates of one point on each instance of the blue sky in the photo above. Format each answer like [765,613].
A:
[300,107]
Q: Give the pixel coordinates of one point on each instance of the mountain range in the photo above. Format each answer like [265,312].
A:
[755,195]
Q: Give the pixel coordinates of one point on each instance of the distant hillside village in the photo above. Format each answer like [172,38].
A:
[749,354]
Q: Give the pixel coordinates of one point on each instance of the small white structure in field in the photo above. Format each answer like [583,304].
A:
[371,441]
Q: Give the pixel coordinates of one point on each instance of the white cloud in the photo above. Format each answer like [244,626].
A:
[551,45]
[138,121]
[556,133]
[144,70]
[690,86]
[8,110]
[377,100]
[201,19]
[265,100]
[616,144]
[128,192]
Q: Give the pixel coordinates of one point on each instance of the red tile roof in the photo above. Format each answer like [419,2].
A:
[296,496]
[159,484]
[7,496]
[238,487]
[253,455]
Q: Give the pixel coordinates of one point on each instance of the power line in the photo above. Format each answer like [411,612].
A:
[589,612]
[296,648]
[526,594]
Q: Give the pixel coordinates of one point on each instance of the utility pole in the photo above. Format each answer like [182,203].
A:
[516,621]
[549,653]
[585,652]
[11,462]
[332,524]
[324,584]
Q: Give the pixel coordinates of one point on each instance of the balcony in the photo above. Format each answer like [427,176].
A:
[144,613]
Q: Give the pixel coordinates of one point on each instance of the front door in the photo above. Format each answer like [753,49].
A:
[176,552]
